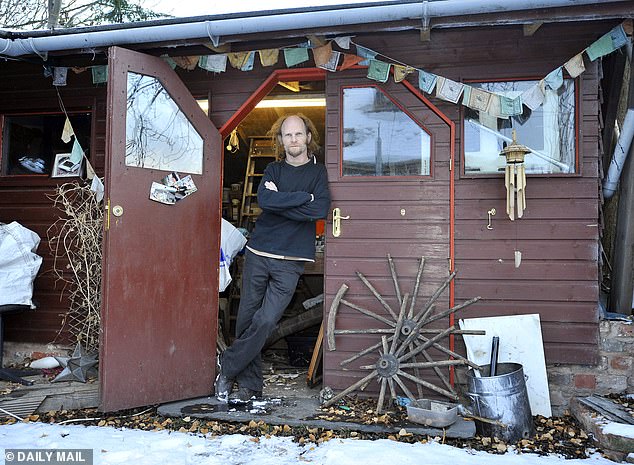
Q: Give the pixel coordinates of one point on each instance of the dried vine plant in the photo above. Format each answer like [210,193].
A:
[75,242]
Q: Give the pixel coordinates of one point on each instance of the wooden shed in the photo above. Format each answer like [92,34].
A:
[417,174]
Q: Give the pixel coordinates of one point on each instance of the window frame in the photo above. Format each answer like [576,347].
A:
[44,178]
[416,120]
[577,133]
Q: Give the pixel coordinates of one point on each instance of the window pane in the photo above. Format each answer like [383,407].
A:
[158,134]
[549,131]
[379,139]
[30,142]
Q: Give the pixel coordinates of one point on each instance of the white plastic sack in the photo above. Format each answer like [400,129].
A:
[19,264]
[231,242]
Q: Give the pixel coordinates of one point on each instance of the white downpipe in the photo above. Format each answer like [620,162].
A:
[288,20]
[621,150]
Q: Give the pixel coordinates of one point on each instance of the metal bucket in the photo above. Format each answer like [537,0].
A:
[502,398]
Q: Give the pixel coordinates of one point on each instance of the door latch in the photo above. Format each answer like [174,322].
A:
[336,221]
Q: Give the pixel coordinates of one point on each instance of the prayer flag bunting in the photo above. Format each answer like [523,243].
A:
[365,53]
[99,74]
[575,65]
[349,61]
[67,132]
[555,79]
[269,56]
[401,72]
[214,63]
[495,106]
[379,70]
[449,90]
[343,42]
[331,65]
[295,56]
[426,81]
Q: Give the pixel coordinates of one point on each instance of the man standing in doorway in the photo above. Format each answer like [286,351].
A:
[293,194]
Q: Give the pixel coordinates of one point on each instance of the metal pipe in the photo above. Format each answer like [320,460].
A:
[251,23]
[621,150]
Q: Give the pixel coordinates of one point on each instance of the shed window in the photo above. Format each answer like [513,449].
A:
[30,142]
[379,138]
[158,133]
[549,131]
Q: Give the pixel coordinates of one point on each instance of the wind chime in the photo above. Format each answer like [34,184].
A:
[515,178]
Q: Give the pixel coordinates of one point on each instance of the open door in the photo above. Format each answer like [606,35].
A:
[390,181]
[160,261]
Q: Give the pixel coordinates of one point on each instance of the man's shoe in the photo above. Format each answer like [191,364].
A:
[223,387]
[244,395]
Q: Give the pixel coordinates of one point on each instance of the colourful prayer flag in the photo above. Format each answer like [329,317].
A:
[343,42]
[510,106]
[349,61]
[449,90]
[331,65]
[426,81]
[99,74]
[186,62]
[575,65]
[401,72]
[295,56]
[378,70]
[600,47]
[67,132]
[269,56]
[365,53]
[476,98]
[77,153]
[534,97]
[321,55]
[214,63]
[555,79]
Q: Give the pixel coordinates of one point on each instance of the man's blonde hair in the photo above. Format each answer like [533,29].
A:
[276,133]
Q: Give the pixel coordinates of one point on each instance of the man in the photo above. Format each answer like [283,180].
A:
[293,194]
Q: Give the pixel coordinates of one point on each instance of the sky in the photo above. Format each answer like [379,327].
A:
[184,8]
[113,446]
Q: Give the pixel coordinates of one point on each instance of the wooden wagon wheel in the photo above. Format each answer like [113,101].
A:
[405,338]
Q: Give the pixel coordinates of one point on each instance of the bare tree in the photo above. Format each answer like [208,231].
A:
[34,14]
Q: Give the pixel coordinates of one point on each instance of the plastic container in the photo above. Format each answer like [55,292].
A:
[502,398]
[432,413]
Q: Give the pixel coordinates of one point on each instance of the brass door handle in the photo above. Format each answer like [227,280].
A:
[336,221]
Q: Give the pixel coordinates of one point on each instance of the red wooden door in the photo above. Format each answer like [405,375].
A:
[160,274]
[388,156]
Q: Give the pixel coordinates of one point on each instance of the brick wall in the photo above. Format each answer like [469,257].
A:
[613,374]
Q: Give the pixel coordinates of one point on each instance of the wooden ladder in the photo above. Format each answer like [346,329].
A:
[261,153]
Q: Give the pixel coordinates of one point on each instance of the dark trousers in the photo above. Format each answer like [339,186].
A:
[268,285]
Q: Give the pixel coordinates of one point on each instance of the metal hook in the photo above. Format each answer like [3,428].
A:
[490,213]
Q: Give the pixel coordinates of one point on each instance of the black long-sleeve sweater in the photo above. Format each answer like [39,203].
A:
[286,225]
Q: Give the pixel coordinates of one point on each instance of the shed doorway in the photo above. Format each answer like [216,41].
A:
[247,150]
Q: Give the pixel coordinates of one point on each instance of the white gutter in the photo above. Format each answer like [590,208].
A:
[275,22]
